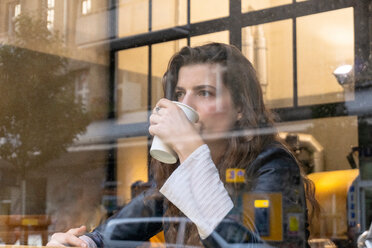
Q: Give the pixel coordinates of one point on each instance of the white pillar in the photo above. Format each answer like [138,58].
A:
[248,44]
[65,21]
[261,62]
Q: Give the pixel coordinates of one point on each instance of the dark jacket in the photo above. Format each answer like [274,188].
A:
[273,171]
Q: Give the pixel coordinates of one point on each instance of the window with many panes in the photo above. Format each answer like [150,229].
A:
[74,123]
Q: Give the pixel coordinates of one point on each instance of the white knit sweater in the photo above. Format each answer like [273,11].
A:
[195,188]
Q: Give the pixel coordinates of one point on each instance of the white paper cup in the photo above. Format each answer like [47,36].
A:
[159,150]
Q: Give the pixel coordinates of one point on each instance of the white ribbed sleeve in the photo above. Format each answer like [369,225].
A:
[195,188]
[89,241]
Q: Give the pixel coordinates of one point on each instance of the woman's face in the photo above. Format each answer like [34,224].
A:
[201,87]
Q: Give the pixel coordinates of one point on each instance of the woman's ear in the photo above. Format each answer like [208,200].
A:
[239,116]
[239,111]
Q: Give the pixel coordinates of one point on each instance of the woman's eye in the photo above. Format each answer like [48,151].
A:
[178,95]
[205,93]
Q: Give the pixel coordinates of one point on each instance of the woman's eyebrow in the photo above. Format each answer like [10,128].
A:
[179,88]
[199,87]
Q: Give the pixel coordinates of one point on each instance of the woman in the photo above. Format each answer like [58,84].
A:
[234,134]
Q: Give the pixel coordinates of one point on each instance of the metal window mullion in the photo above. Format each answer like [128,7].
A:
[149,69]
[188,19]
[111,159]
[296,9]
[235,34]
[112,85]
[221,24]
[149,91]
[294,48]
[362,32]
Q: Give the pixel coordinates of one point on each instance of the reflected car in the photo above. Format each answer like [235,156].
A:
[112,242]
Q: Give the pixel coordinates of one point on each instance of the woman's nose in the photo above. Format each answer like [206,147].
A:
[188,100]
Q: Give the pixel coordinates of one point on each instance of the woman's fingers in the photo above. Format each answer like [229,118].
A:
[163,106]
[54,243]
[165,103]
[69,238]
[169,121]
[154,120]
[75,241]
[152,129]
[199,127]
[156,110]
[78,231]
[66,239]
[161,111]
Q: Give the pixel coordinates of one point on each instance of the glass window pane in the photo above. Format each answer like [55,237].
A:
[132,85]
[133,17]
[83,182]
[331,46]
[269,48]
[208,9]
[79,31]
[326,138]
[63,164]
[49,167]
[213,37]
[252,5]
[161,54]
[168,13]
[131,166]
[323,153]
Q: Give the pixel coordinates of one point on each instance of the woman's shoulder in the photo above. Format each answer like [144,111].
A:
[274,169]
[275,155]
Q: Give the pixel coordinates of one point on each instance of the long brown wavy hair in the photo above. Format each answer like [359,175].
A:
[250,134]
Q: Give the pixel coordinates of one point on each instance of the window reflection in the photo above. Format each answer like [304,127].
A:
[131,166]
[161,53]
[213,37]
[132,85]
[332,45]
[318,144]
[86,7]
[252,5]
[59,154]
[50,14]
[17,10]
[269,48]
[201,10]
[325,132]
[42,116]
[168,13]
[132,17]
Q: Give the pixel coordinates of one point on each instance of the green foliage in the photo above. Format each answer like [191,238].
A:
[39,116]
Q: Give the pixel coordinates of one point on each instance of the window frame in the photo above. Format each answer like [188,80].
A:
[234,24]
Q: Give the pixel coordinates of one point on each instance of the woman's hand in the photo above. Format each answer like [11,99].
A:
[171,125]
[69,238]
